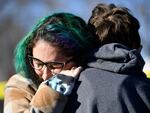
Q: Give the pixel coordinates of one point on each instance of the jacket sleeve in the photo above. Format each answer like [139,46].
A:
[48,100]
[22,100]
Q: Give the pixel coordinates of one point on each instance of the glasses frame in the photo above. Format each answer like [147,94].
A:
[30,58]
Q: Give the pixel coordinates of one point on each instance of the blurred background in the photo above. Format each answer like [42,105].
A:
[17,17]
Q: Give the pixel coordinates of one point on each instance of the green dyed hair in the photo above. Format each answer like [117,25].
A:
[55,28]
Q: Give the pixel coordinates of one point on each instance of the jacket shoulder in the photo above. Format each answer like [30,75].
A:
[18,81]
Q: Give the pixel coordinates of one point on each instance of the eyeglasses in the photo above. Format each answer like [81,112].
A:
[54,67]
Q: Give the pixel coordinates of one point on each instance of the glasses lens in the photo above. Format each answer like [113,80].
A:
[55,67]
[35,63]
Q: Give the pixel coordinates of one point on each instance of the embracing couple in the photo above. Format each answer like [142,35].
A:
[64,65]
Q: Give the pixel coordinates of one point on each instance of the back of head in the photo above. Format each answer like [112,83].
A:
[112,24]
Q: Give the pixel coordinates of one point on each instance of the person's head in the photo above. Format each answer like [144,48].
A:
[112,24]
[56,43]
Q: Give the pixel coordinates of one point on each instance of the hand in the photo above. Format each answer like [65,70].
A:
[73,72]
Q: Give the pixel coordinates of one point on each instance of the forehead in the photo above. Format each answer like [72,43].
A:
[45,51]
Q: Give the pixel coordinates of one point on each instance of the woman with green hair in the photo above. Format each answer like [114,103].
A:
[47,61]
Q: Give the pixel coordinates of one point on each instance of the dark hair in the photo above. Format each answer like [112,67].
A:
[112,24]
[67,34]
[64,30]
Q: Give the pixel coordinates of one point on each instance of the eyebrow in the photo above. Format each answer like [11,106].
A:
[43,61]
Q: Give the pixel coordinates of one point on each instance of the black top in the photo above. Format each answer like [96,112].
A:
[113,83]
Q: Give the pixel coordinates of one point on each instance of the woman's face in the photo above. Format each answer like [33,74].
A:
[44,52]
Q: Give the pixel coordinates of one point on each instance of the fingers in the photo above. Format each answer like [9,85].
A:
[74,71]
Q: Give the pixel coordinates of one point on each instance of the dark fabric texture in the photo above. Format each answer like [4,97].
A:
[113,83]
[117,58]
[66,79]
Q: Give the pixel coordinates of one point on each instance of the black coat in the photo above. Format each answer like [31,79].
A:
[113,83]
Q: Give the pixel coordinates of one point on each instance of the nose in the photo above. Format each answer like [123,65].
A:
[46,73]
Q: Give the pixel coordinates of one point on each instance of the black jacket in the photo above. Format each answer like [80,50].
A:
[113,83]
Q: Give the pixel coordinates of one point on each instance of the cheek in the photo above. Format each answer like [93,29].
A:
[39,73]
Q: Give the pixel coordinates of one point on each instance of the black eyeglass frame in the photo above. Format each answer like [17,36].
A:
[47,64]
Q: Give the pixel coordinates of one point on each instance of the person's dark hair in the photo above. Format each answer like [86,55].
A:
[112,24]
[63,30]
